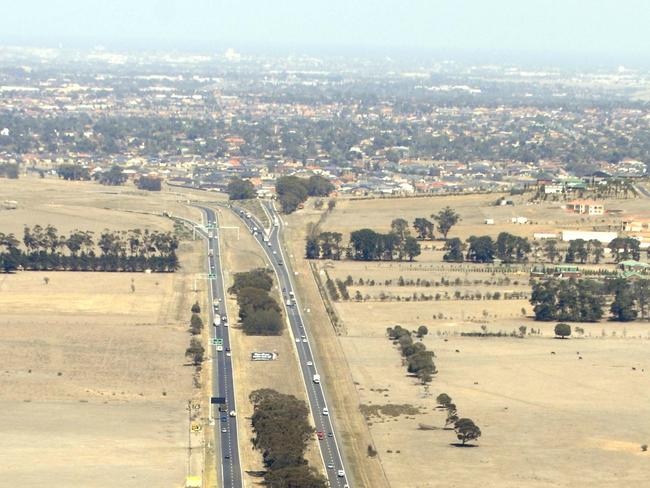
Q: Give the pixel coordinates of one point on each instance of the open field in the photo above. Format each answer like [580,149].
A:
[282,374]
[377,214]
[563,419]
[94,386]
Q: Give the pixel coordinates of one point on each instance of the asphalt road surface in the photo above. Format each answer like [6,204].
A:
[222,373]
[323,421]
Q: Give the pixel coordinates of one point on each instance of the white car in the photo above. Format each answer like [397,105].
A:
[275,252]
[340,473]
[304,339]
[326,411]
[330,466]
[309,363]
[297,340]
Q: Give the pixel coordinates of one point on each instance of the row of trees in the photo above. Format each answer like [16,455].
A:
[366,244]
[46,249]
[419,361]
[584,251]
[259,312]
[292,191]
[584,300]
[113,177]
[281,431]
[483,249]
[466,430]
[195,352]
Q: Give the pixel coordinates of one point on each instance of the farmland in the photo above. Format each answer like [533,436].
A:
[94,382]
[579,398]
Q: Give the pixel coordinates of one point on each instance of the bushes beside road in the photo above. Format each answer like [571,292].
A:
[259,312]
[282,430]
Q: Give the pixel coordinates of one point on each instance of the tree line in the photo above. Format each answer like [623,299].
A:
[508,248]
[466,430]
[281,431]
[584,251]
[585,300]
[292,191]
[259,312]
[112,177]
[366,244]
[46,249]
[419,361]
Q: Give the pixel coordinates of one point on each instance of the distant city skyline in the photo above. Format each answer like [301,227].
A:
[594,32]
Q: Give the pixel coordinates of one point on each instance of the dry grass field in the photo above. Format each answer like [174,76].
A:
[552,412]
[93,383]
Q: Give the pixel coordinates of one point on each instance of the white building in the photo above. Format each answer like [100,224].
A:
[604,237]
[519,220]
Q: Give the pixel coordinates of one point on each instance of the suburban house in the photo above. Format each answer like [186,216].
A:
[588,207]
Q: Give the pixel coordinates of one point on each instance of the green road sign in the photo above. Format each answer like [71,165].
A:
[216,341]
[211,225]
[211,276]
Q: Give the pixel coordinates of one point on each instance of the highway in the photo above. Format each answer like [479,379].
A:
[225,426]
[271,243]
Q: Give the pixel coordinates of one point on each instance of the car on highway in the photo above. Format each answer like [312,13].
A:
[297,339]
[340,473]
[329,434]
[304,339]
[227,456]
[320,435]
[280,263]
[309,363]
[326,411]
[224,430]
[224,418]
[330,466]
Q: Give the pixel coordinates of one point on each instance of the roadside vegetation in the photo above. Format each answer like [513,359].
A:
[281,431]
[259,312]
[293,191]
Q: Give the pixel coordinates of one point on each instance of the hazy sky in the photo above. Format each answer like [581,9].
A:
[601,27]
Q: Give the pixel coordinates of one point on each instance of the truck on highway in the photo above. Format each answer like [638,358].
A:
[316,378]
[233,413]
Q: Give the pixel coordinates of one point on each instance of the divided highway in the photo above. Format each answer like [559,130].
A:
[271,243]
[222,372]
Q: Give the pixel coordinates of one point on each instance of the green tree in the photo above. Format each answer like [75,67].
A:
[466,430]
[481,249]
[562,330]
[114,176]
[422,331]
[196,308]
[319,186]
[446,219]
[454,250]
[443,400]
[195,351]
[239,189]
[550,250]
[412,248]
[423,227]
